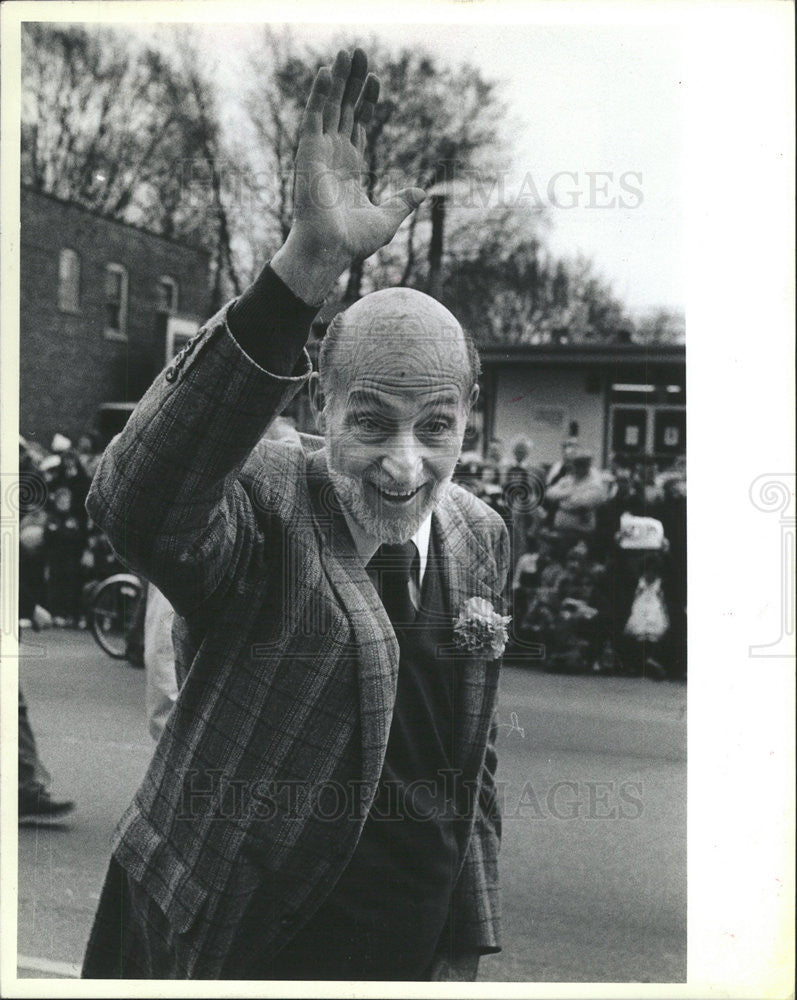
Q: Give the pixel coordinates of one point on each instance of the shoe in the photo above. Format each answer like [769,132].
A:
[654,670]
[37,804]
[41,618]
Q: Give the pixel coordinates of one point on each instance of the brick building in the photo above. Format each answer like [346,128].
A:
[101,302]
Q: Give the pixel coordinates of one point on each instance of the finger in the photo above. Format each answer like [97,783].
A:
[364,111]
[400,205]
[354,84]
[359,138]
[340,74]
[312,120]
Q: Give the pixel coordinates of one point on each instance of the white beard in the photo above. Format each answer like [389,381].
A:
[393,528]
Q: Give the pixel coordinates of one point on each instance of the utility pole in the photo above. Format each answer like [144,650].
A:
[434,285]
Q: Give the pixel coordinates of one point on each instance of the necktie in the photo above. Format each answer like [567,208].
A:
[390,570]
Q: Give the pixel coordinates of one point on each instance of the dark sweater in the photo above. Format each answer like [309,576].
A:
[384,917]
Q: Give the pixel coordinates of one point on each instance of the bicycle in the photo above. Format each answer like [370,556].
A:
[114,609]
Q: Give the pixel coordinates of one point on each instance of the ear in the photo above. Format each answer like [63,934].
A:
[474,395]
[317,402]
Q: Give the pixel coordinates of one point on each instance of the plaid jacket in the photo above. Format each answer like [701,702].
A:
[287,659]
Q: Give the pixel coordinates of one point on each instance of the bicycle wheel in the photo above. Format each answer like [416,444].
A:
[112,612]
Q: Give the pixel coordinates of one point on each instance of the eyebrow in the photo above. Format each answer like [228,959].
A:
[368,398]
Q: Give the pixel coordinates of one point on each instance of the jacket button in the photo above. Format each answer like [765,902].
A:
[170,374]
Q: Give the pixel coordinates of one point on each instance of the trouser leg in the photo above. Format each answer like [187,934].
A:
[32,773]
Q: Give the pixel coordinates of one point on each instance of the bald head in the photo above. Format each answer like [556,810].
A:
[400,334]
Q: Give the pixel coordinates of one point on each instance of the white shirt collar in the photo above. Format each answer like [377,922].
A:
[421,539]
[366,546]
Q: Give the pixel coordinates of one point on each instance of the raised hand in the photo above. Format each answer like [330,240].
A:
[335,223]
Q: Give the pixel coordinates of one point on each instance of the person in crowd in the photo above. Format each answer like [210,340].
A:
[525,578]
[72,476]
[160,688]
[536,620]
[673,518]
[64,534]
[648,623]
[607,518]
[521,455]
[645,495]
[528,567]
[577,495]
[584,612]
[490,491]
[60,444]
[489,486]
[33,779]
[468,471]
[99,559]
[88,453]
[326,636]
[523,492]
[641,544]
[495,459]
[32,521]
[64,544]
[563,466]
[651,489]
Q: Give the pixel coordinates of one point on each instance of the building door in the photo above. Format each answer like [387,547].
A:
[629,430]
[669,432]
[655,431]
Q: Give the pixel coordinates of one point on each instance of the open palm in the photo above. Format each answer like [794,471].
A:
[331,208]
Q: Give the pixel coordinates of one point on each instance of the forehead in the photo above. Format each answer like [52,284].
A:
[401,347]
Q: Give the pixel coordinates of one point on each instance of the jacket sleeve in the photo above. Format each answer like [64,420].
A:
[166,490]
[474,923]
[560,490]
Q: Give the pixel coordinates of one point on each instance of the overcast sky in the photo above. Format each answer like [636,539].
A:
[595,118]
[583,101]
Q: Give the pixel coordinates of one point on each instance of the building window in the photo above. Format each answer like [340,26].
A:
[115,301]
[167,295]
[68,281]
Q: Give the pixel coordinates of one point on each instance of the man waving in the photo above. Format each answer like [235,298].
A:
[321,803]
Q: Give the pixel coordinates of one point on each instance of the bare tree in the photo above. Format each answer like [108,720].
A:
[508,288]
[432,124]
[660,326]
[128,132]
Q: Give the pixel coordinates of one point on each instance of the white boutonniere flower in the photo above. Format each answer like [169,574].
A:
[480,629]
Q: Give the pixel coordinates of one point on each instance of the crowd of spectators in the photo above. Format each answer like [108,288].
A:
[62,553]
[599,559]
[598,576]
[60,549]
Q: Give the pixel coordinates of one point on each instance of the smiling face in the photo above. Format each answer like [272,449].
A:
[398,394]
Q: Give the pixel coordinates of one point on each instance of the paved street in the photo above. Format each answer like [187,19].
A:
[593,782]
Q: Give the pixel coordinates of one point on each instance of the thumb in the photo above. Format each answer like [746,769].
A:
[401,204]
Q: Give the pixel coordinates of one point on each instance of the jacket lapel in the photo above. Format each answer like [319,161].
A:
[377,652]
[466,571]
